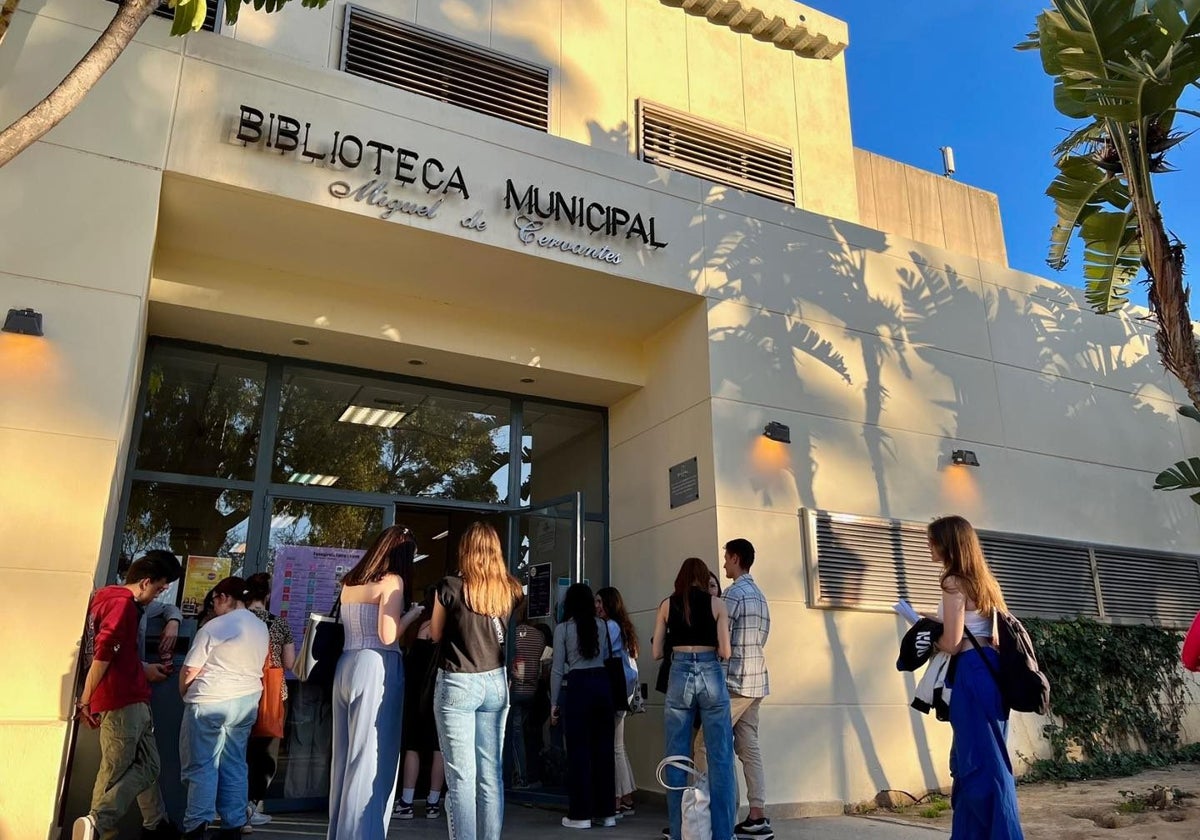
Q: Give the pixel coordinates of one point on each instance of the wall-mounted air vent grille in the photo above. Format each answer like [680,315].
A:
[164,10]
[1147,587]
[426,63]
[682,142]
[865,562]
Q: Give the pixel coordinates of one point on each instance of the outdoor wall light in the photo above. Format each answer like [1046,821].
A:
[778,432]
[23,322]
[964,458]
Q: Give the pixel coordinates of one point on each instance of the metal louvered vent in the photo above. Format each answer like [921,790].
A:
[164,10]
[682,142]
[867,562]
[862,561]
[1149,587]
[426,63]
[1042,578]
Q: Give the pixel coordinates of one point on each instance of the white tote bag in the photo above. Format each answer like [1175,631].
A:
[695,820]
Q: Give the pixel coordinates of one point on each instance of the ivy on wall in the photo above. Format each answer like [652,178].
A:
[1117,696]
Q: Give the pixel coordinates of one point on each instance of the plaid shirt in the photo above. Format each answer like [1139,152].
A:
[750,623]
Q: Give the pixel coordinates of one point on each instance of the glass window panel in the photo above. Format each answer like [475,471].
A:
[202,414]
[355,433]
[195,521]
[595,552]
[562,452]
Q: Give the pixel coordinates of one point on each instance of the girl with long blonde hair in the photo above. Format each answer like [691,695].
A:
[984,796]
[470,700]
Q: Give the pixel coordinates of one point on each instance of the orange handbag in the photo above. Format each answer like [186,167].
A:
[271,710]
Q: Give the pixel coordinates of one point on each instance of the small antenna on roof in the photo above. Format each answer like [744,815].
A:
[948,161]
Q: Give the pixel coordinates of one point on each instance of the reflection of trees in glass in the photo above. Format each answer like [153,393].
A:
[201,417]
[184,520]
[434,451]
[333,526]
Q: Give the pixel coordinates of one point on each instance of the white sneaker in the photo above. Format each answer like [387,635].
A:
[607,822]
[256,816]
[566,821]
[85,828]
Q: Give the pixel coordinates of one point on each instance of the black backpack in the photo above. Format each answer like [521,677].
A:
[1023,686]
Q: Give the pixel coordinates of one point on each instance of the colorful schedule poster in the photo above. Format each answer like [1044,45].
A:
[306,580]
[201,574]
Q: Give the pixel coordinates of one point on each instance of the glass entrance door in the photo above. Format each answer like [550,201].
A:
[546,553]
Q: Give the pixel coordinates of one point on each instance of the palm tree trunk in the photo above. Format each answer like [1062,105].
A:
[6,16]
[83,76]
[1169,302]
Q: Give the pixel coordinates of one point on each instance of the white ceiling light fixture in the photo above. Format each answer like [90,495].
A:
[313,479]
[364,415]
[442,535]
[420,557]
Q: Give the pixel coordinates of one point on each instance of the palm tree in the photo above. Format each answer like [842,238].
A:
[1121,66]
[131,14]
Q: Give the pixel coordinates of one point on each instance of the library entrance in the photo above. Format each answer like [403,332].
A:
[243,463]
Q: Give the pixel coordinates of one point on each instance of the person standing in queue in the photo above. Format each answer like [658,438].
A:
[697,623]
[581,644]
[368,688]
[470,699]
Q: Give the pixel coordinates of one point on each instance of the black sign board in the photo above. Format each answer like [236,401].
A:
[684,482]
[540,584]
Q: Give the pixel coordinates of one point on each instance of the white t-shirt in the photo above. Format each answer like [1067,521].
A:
[229,651]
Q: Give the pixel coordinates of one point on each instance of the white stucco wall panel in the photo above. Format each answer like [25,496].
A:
[646,502]
[106,247]
[674,381]
[714,67]
[469,20]
[139,87]
[155,32]
[73,382]
[1059,338]
[304,37]
[1070,419]
[645,562]
[594,107]
[658,60]
[765,358]
[768,91]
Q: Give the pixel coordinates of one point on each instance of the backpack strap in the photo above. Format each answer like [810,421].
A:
[979,647]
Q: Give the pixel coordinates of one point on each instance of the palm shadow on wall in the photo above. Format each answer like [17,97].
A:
[812,330]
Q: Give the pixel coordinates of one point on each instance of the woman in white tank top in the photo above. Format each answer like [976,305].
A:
[984,796]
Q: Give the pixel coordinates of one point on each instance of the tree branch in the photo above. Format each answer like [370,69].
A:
[6,16]
[75,86]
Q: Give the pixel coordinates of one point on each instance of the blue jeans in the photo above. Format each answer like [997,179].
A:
[470,710]
[697,688]
[984,796]
[212,758]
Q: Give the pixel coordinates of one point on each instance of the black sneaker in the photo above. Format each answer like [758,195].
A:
[402,810]
[433,810]
[666,833]
[197,833]
[759,829]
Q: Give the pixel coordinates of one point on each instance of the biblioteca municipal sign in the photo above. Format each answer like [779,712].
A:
[399,181]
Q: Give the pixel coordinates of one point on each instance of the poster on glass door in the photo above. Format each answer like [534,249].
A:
[306,580]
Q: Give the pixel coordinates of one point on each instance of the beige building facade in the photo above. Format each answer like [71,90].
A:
[236,198]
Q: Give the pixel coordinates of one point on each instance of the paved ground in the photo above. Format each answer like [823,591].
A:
[529,823]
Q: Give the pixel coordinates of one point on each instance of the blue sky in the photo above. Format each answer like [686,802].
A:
[931,73]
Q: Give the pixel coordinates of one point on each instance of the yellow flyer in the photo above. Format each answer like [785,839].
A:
[202,574]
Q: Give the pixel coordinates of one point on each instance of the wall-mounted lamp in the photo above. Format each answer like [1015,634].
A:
[964,458]
[23,322]
[776,431]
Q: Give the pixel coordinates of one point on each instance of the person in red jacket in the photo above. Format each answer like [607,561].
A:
[116,696]
[1191,646]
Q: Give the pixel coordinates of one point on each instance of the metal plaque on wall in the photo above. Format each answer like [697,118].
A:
[684,482]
